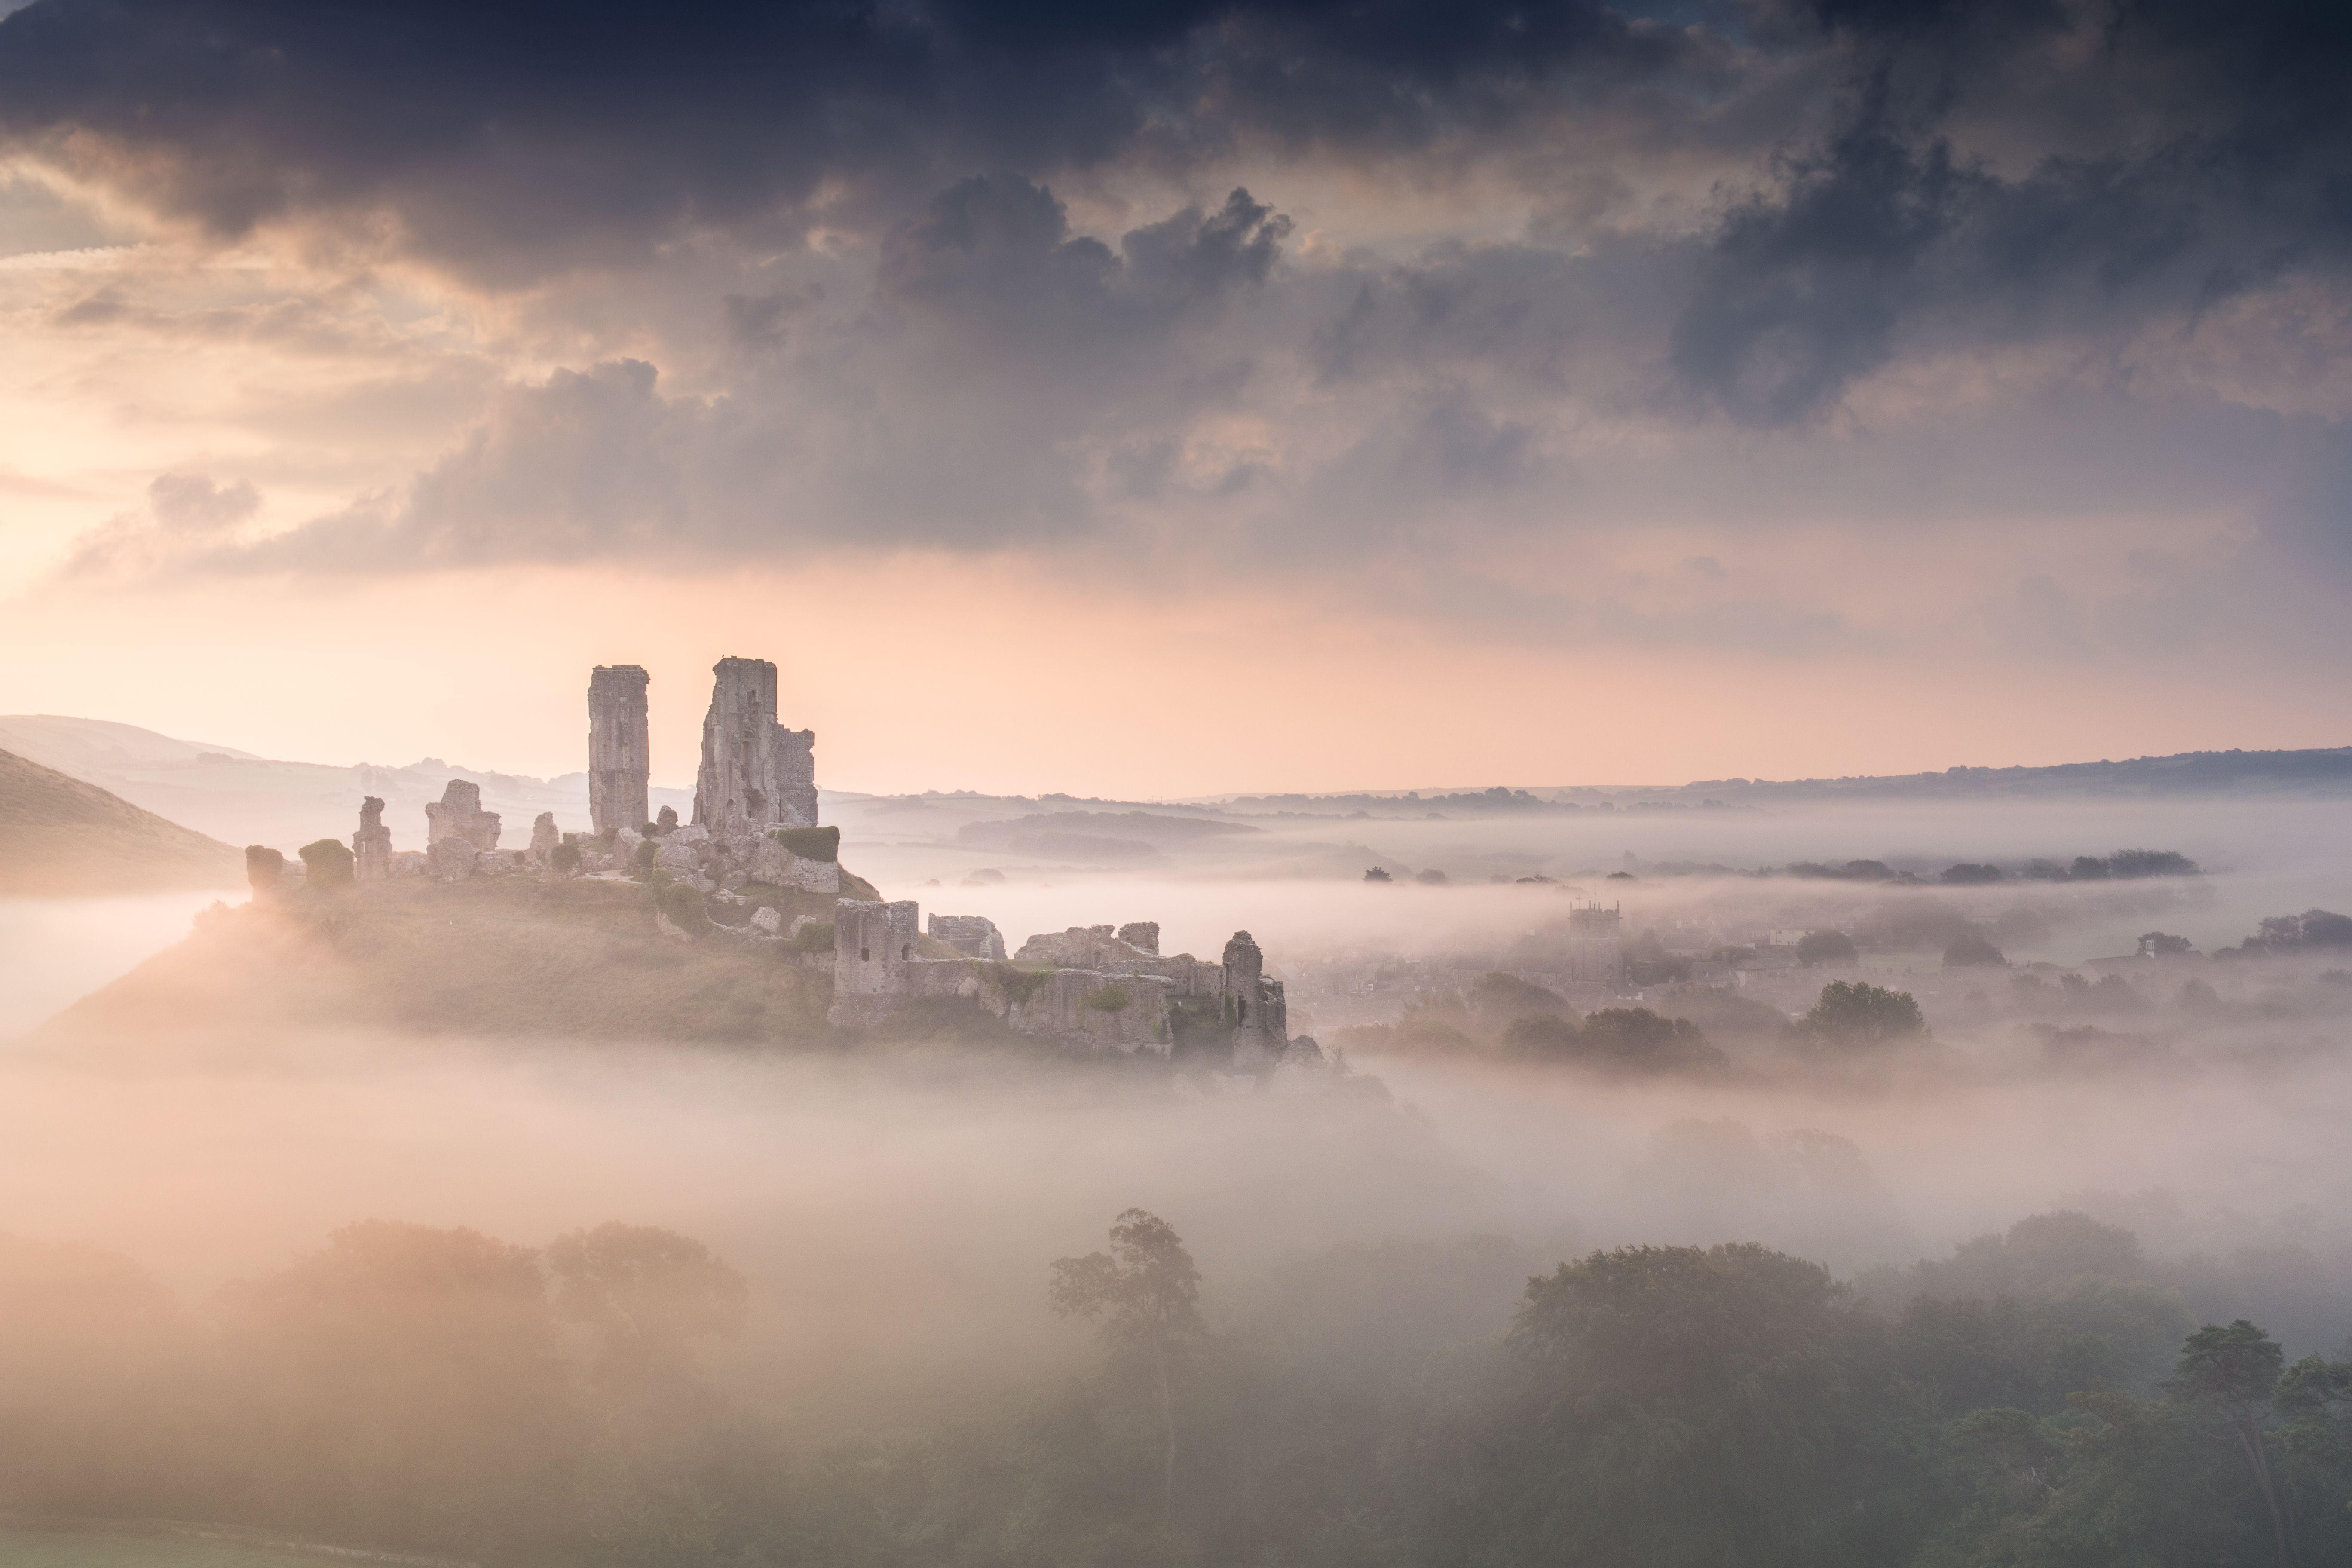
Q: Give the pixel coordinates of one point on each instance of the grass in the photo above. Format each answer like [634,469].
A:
[506,956]
[90,1549]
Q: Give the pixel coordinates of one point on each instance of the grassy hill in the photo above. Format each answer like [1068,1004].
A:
[98,1549]
[509,956]
[61,837]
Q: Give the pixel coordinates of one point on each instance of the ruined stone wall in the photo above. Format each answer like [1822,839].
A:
[755,772]
[1255,1005]
[872,945]
[619,753]
[974,936]
[459,814]
[1095,947]
[1127,1012]
[371,845]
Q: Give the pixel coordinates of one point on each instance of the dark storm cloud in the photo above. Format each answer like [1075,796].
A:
[2092,185]
[510,138]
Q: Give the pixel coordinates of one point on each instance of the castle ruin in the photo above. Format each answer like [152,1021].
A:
[371,845]
[619,756]
[755,772]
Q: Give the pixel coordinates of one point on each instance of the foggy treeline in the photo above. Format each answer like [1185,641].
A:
[2042,1396]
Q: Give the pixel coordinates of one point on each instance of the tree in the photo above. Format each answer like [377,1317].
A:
[401,1385]
[1851,1013]
[1819,947]
[649,1293]
[2233,1373]
[1146,1292]
[1685,1405]
[1972,949]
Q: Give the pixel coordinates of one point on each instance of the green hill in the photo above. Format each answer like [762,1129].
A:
[61,837]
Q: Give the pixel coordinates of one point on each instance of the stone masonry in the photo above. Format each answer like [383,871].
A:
[371,845]
[459,814]
[755,772]
[619,756]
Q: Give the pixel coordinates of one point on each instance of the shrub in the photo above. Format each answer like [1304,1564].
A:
[809,843]
[815,937]
[1967,873]
[565,858]
[641,864]
[1377,875]
[1108,999]
[327,863]
[683,903]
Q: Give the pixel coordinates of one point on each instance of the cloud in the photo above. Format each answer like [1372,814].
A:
[1353,289]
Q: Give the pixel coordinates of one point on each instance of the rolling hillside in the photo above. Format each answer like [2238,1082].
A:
[61,837]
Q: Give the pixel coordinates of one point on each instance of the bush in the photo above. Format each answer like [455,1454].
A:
[1377,875]
[641,864]
[1965,874]
[1819,947]
[815,937]
[683,903]
[1850,1014]
[565,858]
[327,863]
[809,843]
[1108,999]
[2150,863]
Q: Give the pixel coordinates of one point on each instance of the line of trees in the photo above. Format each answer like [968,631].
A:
[439,1391]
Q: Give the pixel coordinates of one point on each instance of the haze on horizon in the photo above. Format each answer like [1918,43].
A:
[1605,394]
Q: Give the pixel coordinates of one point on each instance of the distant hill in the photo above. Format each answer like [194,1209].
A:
[2321,773]
[60,837]
[245,799]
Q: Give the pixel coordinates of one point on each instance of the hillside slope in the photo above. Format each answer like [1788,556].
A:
[61,837]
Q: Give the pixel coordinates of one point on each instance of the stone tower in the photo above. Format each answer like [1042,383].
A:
[755,772]
[617,750]
[371,845]
[1255,1005]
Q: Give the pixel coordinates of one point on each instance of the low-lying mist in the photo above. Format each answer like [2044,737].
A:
[1364,1233]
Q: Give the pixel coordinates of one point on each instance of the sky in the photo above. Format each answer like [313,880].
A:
[1173,398]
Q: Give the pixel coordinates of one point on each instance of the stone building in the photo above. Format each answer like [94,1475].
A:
[371,845]
[755,772]
[619,754]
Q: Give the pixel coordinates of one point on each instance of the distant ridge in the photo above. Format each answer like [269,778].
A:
[2319,773]
[2324,772]
[61,837]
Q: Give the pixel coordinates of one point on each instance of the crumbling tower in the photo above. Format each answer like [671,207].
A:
[755,772]
[617,751]
[1255,1005]
[371,845]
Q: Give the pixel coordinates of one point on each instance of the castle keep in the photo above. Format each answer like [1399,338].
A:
[755,772]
